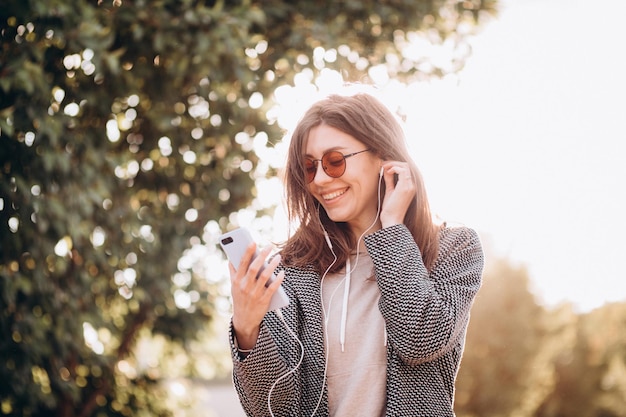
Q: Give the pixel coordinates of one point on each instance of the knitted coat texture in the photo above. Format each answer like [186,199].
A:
[426,317]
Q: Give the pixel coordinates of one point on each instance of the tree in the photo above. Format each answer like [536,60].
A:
[524,360]
[124,128]
[590,377]
[505,335]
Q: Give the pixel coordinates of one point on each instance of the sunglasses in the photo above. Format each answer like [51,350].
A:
[333,164]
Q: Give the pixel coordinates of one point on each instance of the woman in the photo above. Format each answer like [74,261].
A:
[380,296]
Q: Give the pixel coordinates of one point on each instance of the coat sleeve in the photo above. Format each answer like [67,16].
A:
[270,371]
[426,314]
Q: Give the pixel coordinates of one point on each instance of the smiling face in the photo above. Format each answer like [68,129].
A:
[351,198]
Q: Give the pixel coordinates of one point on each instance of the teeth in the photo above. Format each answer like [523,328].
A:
[333,195]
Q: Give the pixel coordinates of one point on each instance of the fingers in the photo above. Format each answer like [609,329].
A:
[246,258]
[250,264]
[252,289]
[253,274]
[269,269]
[396,173]
[400,191]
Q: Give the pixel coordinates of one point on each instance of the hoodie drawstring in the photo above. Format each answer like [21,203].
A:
[344,308]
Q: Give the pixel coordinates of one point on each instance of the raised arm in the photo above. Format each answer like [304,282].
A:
[426,314]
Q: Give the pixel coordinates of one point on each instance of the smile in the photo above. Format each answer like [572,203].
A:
[334,195]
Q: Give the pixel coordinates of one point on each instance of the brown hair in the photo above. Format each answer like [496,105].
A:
[369,121]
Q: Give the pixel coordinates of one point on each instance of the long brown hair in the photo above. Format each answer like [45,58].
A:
[369,121]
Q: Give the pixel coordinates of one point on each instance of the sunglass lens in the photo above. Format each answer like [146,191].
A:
[334,164]
[310,169]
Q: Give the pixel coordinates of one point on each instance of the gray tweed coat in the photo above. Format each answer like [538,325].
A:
[426,316]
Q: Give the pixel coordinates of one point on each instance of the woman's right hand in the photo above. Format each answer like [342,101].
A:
[251,298]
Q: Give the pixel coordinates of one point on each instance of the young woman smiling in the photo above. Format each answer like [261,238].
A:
[380,295]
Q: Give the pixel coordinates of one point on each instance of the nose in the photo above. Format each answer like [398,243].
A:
[320,175]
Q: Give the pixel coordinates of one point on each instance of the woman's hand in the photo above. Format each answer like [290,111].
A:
[398,193]
[251,298]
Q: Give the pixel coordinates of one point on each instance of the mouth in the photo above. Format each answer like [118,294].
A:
[333,195]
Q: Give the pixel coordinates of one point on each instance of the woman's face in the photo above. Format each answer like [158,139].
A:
[352,197]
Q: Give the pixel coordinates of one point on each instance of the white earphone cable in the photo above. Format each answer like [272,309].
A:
[286,374]
[349,271]
[324,311]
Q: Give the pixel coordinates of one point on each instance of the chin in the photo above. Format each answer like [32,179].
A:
[335,216]
[340,218]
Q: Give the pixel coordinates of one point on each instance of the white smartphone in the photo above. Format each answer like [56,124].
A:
[234,244]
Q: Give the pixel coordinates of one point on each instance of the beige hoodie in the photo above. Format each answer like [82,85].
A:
[355,341]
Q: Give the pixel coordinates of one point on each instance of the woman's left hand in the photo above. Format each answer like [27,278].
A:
[399,192]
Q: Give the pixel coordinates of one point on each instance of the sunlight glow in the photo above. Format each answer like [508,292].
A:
[63,246]
[125,277]
[172,200]
[145,231]
[165,146]
[256,100]
[113,132]
[199,108]
[91,338]
[191,215]
[178,389]
[58,94]
[127,369]
[72,62]
[72,109]
[14,224]
[133,100]
[189,157]
[98,237]
[182,299]
[29,138]
[183,278]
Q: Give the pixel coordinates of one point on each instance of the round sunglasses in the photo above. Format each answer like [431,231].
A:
[333,164]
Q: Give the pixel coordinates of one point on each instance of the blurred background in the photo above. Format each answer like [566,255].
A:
[132,133]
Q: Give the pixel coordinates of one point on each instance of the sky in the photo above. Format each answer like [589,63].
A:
[528,145]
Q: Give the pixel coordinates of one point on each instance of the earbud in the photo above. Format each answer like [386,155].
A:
[382,171]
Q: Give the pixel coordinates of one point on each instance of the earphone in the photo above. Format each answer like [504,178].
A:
[279,313]
[325,319]
[330,245]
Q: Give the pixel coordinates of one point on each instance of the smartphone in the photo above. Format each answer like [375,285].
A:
[234,244]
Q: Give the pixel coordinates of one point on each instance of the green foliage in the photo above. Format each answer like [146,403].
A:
[117,146]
